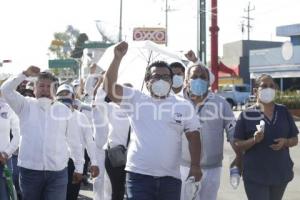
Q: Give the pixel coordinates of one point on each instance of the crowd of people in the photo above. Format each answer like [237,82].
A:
[163,144]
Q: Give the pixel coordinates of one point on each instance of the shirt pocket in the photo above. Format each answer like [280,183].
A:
[176,123]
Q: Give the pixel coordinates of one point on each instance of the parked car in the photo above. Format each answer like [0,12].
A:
[235,94]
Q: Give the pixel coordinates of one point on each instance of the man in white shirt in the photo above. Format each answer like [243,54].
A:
[80,124]
[158,122]
[178,70]
[117,133]
[100,124]
[9,121]
[46,142]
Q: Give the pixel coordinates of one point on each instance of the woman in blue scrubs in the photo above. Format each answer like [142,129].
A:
[267,163]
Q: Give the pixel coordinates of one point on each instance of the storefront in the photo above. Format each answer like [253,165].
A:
[283,63]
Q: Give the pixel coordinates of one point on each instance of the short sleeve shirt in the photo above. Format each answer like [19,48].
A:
[157,127]
[262,164]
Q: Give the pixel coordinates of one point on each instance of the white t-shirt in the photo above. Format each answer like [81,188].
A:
[118,126]
[157,127]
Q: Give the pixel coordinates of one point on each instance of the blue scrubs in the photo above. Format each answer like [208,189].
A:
[262,165]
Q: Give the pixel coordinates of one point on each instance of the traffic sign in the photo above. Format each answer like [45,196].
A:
[63,63]
[96,45]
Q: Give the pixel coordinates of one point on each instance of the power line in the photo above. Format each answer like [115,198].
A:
[248,18]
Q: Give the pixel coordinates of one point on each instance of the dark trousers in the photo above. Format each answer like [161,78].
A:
[257,191]
[86,163]
[144,187]
[117,178]
[73,189]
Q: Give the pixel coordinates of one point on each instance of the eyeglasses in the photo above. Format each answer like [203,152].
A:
[165,77]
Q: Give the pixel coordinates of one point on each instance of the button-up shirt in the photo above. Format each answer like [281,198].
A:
[46,140]
[81,125]
[8,121]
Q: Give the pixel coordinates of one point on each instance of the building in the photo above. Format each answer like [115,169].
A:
[236,56]
[283,62]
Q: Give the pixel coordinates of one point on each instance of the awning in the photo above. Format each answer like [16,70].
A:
[287,74]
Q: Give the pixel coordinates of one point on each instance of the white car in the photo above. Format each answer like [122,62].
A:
[235,94]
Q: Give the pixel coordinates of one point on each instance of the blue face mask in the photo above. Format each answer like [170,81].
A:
[198,86]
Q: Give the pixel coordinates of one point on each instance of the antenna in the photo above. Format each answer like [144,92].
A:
[102,31]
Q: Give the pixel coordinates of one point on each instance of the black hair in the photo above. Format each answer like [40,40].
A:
[158,64]
[49,76]
[197,65]
[177,65]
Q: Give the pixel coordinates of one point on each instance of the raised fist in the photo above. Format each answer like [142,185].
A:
[190,55]
[32,71]
[121,49]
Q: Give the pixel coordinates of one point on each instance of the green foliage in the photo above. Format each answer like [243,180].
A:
[290,98]
[55,71]
[79,46]
[63,43]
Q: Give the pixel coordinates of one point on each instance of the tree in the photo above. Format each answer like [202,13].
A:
[63,43]
[78,50]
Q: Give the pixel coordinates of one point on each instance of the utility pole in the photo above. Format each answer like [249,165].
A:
[201,30]
[120,25]
[214,29]
[248,26]
[167,10]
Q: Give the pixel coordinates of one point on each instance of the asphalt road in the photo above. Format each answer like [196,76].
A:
[226,192]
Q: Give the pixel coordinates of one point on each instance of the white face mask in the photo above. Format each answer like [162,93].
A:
[177,81]
[44,102]
[266,95]
[160,88]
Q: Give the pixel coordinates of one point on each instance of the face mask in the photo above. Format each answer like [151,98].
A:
[266,95]
[198,86]
[160,88]
[44,102]
[67,102]
[177,81]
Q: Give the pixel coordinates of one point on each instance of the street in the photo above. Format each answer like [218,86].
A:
[226,192]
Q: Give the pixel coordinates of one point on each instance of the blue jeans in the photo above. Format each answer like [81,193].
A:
[43,185]
[144,187]
[3,187]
